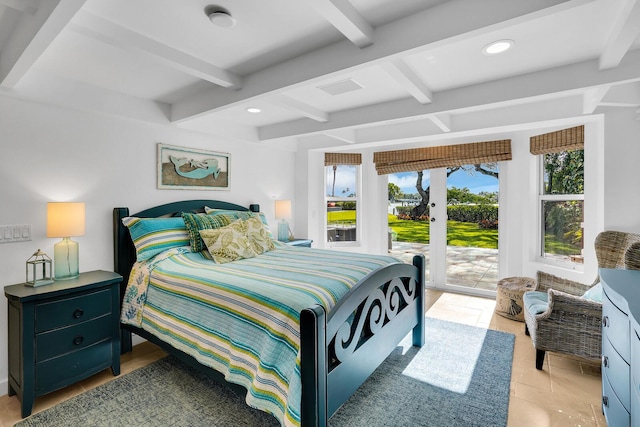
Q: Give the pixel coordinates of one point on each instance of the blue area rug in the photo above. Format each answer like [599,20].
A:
[461,377]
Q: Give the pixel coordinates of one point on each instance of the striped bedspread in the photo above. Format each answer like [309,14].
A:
[242,318]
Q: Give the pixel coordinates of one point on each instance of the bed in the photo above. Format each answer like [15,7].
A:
[340,343]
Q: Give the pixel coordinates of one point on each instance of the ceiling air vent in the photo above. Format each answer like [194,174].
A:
[343,86]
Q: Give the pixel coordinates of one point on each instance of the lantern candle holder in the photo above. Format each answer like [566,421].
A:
[39,269]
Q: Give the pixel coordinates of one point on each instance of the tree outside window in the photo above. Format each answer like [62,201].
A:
[562,205]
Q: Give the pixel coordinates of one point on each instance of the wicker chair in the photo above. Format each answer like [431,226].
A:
[571,324]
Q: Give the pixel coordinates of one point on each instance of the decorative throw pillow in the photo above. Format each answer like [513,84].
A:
[154,235]
[240,215]
[259,240]
[194,223]
[228,243]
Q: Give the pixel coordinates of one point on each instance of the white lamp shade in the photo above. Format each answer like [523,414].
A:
[65,219]
[283,209]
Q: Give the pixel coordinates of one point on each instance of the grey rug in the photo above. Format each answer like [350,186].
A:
[461,377]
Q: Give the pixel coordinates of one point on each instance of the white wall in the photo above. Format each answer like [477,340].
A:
[53,154]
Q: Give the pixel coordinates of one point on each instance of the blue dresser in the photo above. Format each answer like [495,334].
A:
[621,347]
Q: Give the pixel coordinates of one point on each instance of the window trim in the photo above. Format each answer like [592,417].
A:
[542,197]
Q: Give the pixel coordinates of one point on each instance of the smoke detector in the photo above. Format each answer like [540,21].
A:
[220,16]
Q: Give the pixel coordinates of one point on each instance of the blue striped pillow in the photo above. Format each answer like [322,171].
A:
[154,235]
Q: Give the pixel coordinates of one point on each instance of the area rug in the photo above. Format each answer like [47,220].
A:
[459,378]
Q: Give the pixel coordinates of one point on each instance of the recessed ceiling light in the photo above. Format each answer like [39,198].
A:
[497,47]
[220,16]
[253,110]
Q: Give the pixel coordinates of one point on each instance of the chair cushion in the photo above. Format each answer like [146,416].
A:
[594,293]
[535,302]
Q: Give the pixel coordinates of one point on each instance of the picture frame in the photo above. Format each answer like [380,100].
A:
[181,168]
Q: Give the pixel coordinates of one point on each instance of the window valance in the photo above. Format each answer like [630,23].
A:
[554,142]
[331,159]
[418,159]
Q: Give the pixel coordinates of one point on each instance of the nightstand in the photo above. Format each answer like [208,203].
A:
[62,333]
[300,242]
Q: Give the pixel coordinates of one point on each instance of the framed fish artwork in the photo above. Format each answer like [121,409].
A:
[181,168]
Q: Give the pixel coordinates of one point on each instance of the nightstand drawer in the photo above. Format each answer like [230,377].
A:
[72,338]
[616,371]
[69,311]
[60,371]
[615,326]
[614,412]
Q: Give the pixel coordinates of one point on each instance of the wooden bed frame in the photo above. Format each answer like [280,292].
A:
[339,349]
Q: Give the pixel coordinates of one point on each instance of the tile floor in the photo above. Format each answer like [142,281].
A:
[466,267]
[565,393]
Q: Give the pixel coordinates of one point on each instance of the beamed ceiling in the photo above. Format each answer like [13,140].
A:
[348,72]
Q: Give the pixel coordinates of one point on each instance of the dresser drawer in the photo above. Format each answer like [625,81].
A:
[614,412]
[72,338]
[55,373]
[616,370]
[615,326]
[69,311]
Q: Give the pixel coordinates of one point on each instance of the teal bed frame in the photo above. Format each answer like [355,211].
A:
[339,350]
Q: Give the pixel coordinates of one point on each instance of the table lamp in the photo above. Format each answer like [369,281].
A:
[283,213]
[65,220]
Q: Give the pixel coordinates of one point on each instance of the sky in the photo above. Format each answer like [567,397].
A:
[476,183]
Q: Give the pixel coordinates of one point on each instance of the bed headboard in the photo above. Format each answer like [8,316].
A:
[124,253]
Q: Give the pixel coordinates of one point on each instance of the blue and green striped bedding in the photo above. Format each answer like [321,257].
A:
[242,318]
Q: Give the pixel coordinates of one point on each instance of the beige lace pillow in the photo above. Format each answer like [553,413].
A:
[228,243]
[259,237]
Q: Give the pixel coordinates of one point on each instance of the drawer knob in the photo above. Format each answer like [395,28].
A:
[605,361]
[605,321]
[605,401]
[78,340]
[78,313]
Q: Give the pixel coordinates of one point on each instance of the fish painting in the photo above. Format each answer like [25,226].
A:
[200,168]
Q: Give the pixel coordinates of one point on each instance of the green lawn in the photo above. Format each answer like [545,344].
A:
[458,233]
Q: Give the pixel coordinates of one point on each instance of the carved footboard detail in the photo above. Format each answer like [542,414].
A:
[358,334]
[381,307]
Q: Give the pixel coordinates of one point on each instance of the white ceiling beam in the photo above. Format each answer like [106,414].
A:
[116,35]
[299,107]
[443,121]
[592,98]
[416,33]
[408,79]
[546,84]
[24,6]
[342,15]
[625,30]
[344,135]
[32,37]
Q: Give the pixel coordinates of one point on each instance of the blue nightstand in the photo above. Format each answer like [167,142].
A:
[300,242]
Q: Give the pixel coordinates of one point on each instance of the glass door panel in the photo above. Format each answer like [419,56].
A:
[408,216]
[472,228]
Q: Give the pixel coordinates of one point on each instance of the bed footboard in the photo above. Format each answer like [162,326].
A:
[339,351]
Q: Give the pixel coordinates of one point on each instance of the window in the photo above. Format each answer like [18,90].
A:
[562,205]
[342,201]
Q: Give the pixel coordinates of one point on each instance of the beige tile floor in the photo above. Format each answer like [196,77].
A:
[565,393]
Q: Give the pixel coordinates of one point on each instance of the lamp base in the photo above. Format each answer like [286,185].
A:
[65,259]
[283,231]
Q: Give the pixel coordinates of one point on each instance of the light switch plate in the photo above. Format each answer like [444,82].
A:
[15,233]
